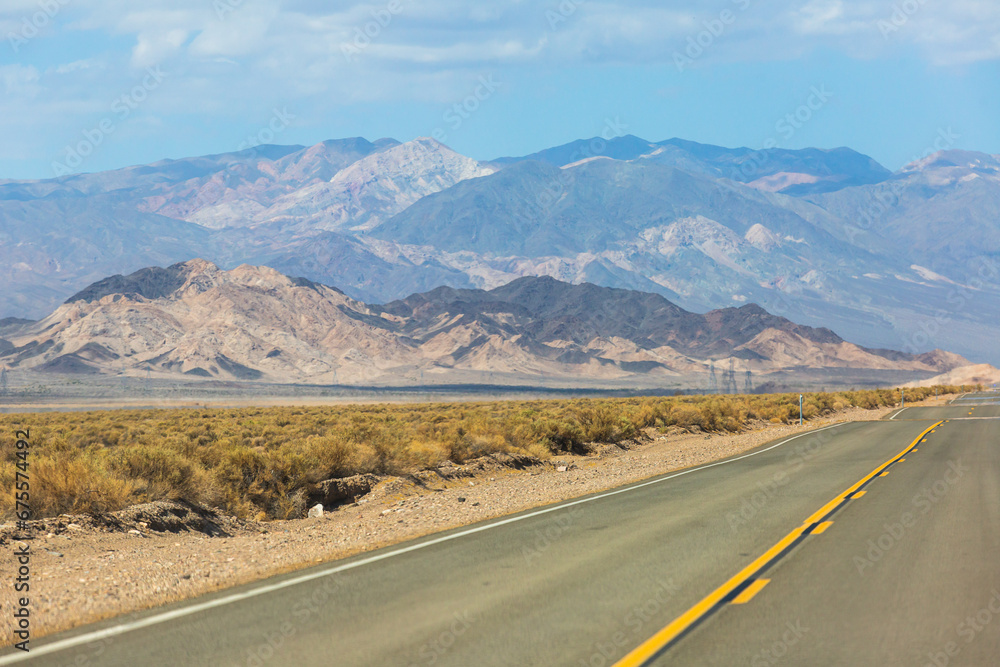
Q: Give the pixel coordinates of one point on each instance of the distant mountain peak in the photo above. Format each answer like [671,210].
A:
[795,172]
[954,158]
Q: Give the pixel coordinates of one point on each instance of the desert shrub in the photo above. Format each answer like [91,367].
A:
[159,473]
[559,435]
[649,414]
[686,416]
[68,485]
[603,423]
[262,462]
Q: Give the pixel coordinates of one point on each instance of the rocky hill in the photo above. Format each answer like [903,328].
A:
[253,323]
[907,260]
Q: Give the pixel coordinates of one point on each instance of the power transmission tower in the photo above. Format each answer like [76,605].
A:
[748,381]
[713,383]
[4,387]
[730,378]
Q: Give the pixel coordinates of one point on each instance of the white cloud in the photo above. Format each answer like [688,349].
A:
[153,47]
[77,66]
[446,33]
[268,53]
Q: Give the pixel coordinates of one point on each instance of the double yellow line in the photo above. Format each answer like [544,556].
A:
[653,646]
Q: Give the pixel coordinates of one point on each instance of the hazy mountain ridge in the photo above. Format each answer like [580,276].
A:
[255,323]
[887,261]
[795,172]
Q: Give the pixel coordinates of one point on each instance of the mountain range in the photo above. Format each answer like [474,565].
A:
[253,323]
[829,238]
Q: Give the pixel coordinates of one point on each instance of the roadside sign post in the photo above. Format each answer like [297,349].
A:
[800,409]
[902,398]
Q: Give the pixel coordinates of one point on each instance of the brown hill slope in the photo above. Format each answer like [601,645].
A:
[255,323]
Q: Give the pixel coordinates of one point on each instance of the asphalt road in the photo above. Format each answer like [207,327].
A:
[906,573]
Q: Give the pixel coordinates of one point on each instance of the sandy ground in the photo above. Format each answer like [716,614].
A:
[81,574]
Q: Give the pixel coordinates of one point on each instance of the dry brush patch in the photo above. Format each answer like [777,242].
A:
[267,462]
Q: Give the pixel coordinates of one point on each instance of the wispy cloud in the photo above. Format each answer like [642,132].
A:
[297,44]
[246,54]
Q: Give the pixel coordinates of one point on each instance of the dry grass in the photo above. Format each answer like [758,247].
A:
[265,462]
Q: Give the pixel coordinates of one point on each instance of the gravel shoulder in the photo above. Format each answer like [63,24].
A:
[85,569]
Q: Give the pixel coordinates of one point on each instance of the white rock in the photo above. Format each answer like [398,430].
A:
[561,469]
[316,511]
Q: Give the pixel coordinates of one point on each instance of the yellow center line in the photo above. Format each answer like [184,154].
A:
[821,528]
[861,493]
[641,654]
[750,591]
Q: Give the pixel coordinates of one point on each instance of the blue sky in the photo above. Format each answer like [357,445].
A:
[129,83]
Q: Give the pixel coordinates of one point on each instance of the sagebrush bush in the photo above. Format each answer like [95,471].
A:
[262,462]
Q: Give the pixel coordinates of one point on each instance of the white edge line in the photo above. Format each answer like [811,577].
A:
[898,413]
[116,630]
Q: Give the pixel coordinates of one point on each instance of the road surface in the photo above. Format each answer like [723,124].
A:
[800,552]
